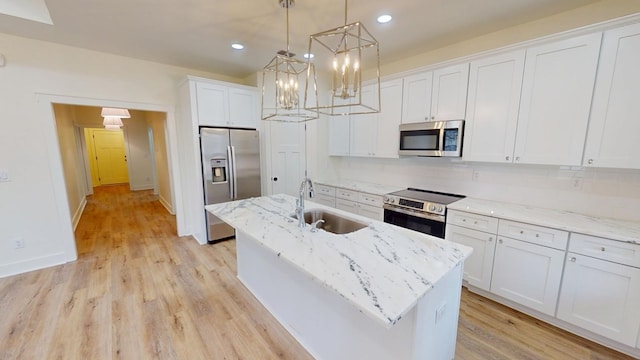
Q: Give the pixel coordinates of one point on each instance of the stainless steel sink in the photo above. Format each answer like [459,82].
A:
[333,223]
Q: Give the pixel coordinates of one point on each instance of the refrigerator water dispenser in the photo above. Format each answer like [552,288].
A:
[218,170]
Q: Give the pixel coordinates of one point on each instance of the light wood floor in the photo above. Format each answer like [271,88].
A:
[138,291]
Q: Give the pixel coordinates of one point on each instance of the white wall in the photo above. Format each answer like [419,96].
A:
[72,162]
[156,121]
[34,203]
[138,151]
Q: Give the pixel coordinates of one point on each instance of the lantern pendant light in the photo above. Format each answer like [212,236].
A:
[344,52]
[281,84]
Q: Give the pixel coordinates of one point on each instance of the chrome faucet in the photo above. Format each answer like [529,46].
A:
[300,201]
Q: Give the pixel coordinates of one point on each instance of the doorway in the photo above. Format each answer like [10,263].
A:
[107,156]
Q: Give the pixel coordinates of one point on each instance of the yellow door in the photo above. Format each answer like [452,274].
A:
[110,156]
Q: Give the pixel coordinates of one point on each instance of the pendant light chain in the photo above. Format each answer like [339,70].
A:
[345,12]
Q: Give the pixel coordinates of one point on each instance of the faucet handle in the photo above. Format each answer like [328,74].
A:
[314,225]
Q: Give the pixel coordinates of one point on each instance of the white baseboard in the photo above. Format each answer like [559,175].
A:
[166,205]
[78,213]
[138,187]
[36,263]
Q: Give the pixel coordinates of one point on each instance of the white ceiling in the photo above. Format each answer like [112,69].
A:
[197,34]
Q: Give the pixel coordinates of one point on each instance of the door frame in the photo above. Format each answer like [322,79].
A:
[45,106]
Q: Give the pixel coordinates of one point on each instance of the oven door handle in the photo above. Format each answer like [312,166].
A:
[420,214]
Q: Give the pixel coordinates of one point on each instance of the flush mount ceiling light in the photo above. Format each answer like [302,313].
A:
[344,52]
[112,123]
[383,19]
[115,112]
[237,46]
[281,84]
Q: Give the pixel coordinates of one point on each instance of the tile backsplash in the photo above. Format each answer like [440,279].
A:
[613,193]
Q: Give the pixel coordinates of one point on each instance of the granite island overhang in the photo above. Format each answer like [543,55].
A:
[382,271]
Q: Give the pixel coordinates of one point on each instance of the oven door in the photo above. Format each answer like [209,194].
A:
[418,221]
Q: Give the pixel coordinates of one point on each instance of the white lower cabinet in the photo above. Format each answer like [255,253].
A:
[528,274]
[356,202]
[600,295]
[478,267]
[325,200]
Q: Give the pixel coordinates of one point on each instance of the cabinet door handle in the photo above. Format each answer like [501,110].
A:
[573,259]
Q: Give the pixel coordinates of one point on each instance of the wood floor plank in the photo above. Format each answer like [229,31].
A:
[138,291]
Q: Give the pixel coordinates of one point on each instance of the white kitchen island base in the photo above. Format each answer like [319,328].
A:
[330,327]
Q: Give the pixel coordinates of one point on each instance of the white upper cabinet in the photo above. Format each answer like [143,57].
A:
[213,104]
[449,98]
[243,108]
[556,96]
[339,134]
[436,95]
[417,98]
[370,135]
[613,139]
[495,84]
[388,136]
[364,128]
[227,106]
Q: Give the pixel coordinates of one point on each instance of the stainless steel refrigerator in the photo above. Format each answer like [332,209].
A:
[230,171]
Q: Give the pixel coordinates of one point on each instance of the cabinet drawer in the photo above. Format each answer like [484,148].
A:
[534,234]
[606,249]
[347,194]
[325,190]
[472,221]
[347,205]
[369,199]
[372,212]
[325,200]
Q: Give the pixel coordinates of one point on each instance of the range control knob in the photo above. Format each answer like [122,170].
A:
[385,199]
[440,208]
[432,207]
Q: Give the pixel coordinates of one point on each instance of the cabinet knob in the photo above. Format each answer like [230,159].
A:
[521,231]
[490,238]
[500,241]
[590,161]
[573,259]
[602,249]
[464,220]
[537,235]
[475,223]
[433,117]
[517,158]
[275,179]
[506,158]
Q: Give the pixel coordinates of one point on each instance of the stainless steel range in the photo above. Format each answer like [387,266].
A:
[420,210]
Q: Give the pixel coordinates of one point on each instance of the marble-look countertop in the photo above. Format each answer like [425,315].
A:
[370,188]
[625,231]
[383,270]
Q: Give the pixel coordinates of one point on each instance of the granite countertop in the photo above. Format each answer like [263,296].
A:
[370,188]
[383,270]
[625,231]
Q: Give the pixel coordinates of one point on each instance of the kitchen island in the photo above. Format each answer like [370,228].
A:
[377,293]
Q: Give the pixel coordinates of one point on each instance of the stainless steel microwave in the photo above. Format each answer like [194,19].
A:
[434,138]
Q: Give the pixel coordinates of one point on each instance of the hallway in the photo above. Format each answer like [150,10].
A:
[137,291]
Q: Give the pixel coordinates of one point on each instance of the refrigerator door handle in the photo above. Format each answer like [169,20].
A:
[234,175]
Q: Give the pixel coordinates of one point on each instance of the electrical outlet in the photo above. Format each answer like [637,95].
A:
[19,243]
[476,175]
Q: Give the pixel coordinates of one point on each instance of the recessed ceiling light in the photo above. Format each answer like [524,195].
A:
[308,56]
[237,46]
[383,19]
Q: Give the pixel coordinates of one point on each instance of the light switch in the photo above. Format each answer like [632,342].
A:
[4,175]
